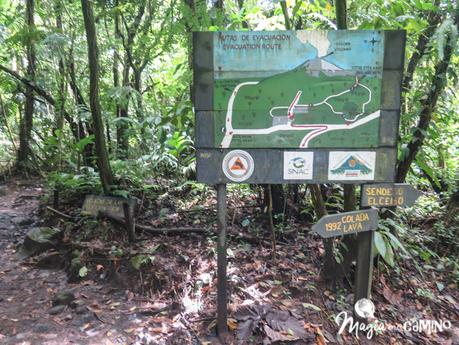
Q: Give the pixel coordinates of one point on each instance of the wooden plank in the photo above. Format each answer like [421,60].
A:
[93,204]
[270,165]
[347,223]
[394,49]
[385,195]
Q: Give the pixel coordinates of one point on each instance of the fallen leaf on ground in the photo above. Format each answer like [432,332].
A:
[278,336]
[320,337]
[311,306]
[232,324]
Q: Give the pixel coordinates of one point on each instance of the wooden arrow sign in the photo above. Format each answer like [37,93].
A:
[347,223]
[384,195]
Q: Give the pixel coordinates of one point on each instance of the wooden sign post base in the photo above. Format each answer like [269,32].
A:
[222,309]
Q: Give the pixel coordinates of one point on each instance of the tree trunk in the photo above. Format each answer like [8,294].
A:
[328,273]
[433,19]
[26,121]
[240,4]
[105,172]
[349,250]
[286,17]
[62,87]
[116,62]
[139,107]
[341,14]
[428,105]
[80,129]
[131,31]
[121,129]
[121,107]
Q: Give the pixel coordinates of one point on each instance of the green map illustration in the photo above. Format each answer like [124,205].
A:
[308,89]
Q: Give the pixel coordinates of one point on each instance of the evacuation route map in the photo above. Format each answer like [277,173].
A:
[303,89]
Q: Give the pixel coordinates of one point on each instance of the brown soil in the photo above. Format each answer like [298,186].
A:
[171,300]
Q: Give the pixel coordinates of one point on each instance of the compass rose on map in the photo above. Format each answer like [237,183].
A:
[372,42]
[238,165]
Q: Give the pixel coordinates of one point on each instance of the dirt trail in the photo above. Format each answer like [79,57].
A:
[104,315]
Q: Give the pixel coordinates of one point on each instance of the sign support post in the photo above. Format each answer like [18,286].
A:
[222,309]
[364,265]
[364,269]
[377,195]
[363,223]
[129,219]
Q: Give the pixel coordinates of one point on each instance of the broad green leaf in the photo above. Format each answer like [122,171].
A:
[397,226]
[389,255]
[424,167]
[396,243]
[380,244]
[80,145]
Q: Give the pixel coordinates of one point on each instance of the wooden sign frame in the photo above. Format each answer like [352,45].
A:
[268,161]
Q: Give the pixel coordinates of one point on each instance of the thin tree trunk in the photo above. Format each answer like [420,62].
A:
[285,12]
[116,62]
[271,222]
[83,128]
[121,135]
[26,122]
[240,4]
[328,272]
[121,107]
[433,19]
[428,105]
[349,250]
[139,106]
[189,29]
[341,14]
[122,139]
[341,24]
[62,87]
[105,172]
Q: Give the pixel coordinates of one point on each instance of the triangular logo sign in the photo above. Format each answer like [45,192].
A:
[238,165]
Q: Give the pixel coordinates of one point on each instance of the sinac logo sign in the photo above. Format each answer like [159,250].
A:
[298,162]
[298,165]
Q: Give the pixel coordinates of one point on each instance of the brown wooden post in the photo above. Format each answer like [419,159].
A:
[128,216]
[364,269]
[364,265]
[222,299]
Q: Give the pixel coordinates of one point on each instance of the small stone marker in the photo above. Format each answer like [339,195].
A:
[388,194]
[347,223]
[108,204]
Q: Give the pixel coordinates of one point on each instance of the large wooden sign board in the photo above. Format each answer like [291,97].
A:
[297,106]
